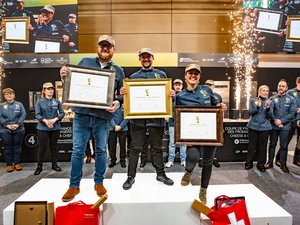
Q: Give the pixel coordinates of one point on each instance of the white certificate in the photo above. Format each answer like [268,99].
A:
[269,21]
[147,99]
[16,30]
[295,29]
[46,46]
[88,88]
[198,125]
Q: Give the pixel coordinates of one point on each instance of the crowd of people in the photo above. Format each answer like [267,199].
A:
[43,26]
[273,117]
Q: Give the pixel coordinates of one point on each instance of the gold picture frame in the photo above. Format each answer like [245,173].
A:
[88,87]
[293,30]
[15,30]
[147,98]
[195,125]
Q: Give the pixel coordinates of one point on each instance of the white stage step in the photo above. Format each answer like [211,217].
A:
[150,202]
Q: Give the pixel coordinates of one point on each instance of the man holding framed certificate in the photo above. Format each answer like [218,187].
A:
[51,36]
[20,11]
[94,120]
[139,127]
[197,95]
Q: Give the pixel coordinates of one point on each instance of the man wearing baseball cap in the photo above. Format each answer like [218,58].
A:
[72,26]
[53,28]
[177,86]
[93,120]
[139,127]
[197,95]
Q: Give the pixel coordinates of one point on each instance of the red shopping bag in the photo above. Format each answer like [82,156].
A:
[77,213]
[234,213]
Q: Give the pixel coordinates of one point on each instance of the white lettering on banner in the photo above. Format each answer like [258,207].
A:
[233,221]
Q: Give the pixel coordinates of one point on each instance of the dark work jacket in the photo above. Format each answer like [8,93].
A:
[94,62]
[283,108]
[260,116]
[148,74]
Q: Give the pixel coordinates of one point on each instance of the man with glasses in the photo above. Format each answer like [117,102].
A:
[88,120]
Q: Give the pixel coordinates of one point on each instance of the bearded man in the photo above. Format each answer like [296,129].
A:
[93,120]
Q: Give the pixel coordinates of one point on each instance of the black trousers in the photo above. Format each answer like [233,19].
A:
[112,145]
[138,136]
[192,157]
[258,141]
[47,139]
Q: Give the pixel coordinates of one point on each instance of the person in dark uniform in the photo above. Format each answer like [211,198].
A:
[282,113]
[53,29]
[12,116]
[8,6]
[259,129]
[72,26]
[19,11]
[49,112]
[117,130]
[197,95]
[211,84]
[139,127]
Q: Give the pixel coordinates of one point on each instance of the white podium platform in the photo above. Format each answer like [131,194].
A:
[150,202]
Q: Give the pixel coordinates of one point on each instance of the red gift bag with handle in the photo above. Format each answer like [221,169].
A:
[77,213]
[234,212]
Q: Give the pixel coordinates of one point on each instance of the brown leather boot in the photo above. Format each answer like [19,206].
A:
[18,167]
[70,194]
[9,169]
[100,189]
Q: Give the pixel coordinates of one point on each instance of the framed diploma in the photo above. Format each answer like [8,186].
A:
[147,98]
[15,30]
[293,30]
[47,44]
[195,125]
[269,21]
[30,212]
[88,87]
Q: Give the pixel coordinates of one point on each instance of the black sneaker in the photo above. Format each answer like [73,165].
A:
[123,164]
[112,164]
[143,164]
[216,163]
[296,162]
[128,183]
[200,163]
[166,180]
[56,168]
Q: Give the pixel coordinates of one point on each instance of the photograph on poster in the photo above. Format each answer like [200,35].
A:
[272,24]
[54,20]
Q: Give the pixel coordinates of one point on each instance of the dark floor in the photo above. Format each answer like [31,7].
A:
[284,189]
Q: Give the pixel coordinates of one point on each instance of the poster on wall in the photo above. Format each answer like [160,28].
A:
[52,26]
[276,13]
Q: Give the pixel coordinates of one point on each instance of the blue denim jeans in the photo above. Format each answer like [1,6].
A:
[82,126]
[12,146]
[172,147]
